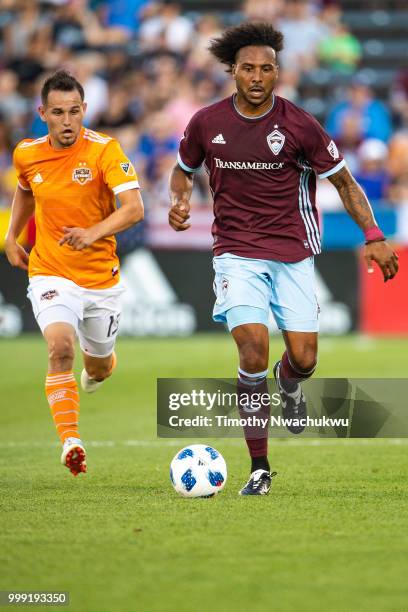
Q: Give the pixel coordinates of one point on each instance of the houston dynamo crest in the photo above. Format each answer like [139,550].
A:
[275,141]
[82,175]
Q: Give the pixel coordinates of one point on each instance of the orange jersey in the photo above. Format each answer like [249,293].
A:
[74,187]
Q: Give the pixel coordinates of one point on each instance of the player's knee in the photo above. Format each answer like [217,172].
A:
[61,352]
[253,356]
[305,360]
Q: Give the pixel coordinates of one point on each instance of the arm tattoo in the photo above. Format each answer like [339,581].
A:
[353,198]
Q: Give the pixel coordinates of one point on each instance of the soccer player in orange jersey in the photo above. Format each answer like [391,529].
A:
[71,178]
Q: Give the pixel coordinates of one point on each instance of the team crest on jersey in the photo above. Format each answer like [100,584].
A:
[333,150]
[128,169]
[275,141]
[82,174]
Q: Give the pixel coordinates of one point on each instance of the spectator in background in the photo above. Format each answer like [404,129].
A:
[189,99]
[128,135]
[167,29]
[13,106]
[207,27]
[87,67]
[117,64]
[399,98]
[32,65]
[124,15]
[262,10]
[398,154]
[77,27]
[158,140]
[288,84]
[350,139]
[159,188]
[303,32]
[163,74]
[117,113]
[399,193]
[340,51]
[138,86]
[70,24]
[5,145]
[374,117]
[5,163]
[399,198]
[28,20]
[372,174]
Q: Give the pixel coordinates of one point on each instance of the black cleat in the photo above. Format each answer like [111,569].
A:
[259,483]
[293,404]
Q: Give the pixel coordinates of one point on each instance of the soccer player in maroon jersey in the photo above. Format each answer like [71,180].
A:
[262,154]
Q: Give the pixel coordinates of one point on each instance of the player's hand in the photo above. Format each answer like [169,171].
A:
[178,215]
[16,255]
[384,256]
[77,237]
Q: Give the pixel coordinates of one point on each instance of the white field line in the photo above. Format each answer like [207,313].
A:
[180,442]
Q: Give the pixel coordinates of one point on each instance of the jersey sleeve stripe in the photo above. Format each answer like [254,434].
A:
[333,170]
[184,166]
[32,143]
[311,238]
[102,142]
[95,135]
[309,208]
[125,187]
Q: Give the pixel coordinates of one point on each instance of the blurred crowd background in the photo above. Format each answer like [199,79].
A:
[146,70]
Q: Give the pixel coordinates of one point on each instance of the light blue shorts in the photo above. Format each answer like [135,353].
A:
[254,286]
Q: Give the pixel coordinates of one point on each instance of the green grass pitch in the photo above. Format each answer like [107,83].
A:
[332,535]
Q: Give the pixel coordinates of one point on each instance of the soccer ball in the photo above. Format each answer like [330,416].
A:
[198,470]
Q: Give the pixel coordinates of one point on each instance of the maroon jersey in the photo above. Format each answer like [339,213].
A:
[263,177]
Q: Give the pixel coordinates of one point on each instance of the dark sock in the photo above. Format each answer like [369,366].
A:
[260,463]
[258,447]
[256,437]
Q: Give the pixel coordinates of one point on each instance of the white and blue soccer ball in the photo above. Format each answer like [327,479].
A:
[198,470]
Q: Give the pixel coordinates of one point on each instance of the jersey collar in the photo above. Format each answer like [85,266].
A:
[233,99]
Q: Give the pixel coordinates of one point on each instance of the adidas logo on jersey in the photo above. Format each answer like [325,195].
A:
[219,139]
[38,178]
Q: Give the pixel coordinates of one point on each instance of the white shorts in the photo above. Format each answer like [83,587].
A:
[93,313]
[246,289]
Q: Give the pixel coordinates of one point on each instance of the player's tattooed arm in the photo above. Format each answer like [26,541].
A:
[358,207]
[353,198]
[180,188]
